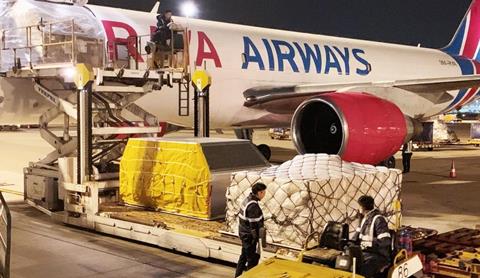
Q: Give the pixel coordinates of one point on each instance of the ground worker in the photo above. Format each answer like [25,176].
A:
[374,238]
[163,32]
[407,152]
[161,39]
[249,225]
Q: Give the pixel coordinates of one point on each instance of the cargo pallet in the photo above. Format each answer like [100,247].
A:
[445,243]
[455,253]
[475,142]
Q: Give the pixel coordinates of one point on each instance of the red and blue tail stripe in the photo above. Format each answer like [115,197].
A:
[467,67]
[466,41]
[472,92]
[465,49]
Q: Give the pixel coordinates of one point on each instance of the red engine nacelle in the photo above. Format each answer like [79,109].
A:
[357,126]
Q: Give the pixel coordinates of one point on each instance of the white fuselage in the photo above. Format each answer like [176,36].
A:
[241,57]
[271,66]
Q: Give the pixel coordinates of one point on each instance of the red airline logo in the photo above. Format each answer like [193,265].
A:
[206,49]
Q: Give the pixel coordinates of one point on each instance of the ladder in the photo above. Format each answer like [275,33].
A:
[184,98]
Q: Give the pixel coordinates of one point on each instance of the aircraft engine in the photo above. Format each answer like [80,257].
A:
[357,126]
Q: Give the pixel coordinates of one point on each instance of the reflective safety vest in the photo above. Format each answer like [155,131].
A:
[250,216]
[368,229]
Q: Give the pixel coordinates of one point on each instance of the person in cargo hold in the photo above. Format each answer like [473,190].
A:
[374,238]
[249,225]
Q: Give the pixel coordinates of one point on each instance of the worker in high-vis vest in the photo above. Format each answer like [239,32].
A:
[374,238]
[249,224]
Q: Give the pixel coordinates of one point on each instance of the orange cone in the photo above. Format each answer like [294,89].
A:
[453,172]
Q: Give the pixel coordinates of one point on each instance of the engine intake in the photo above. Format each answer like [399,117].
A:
[357,126]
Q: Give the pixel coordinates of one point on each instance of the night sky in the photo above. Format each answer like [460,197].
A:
[429,22]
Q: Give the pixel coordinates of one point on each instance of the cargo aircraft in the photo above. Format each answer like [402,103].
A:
[359,99]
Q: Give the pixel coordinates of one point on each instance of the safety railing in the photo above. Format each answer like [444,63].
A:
[48,43]
[5,238]
[132,53]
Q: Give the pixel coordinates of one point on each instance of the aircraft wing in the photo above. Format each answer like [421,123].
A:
[285,99]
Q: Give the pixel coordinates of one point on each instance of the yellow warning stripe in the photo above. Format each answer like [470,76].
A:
[9,191]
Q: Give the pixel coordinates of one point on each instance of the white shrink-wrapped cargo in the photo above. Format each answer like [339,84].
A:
[48,40]
[305,193]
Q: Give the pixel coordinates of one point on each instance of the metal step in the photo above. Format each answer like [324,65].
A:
[184,99]
[125,130]
[121,89]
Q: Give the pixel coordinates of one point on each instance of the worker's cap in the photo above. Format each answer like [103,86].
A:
[258,187]
[366,202]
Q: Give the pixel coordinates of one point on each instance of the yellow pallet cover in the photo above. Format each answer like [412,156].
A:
[166,175]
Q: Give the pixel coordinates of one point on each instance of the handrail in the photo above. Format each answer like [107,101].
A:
[42,23]
[138,45]
[37,26]
[49,35]
[41,27]
[135,50]
[5,237]
[40,45]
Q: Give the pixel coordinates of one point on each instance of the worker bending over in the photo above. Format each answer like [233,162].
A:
[249,225]
[374,238]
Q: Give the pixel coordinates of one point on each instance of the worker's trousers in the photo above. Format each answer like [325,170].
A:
[406,157]
[373,264]
[249,257]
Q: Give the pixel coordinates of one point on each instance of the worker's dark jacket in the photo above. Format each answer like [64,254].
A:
[374,238]
[250,218]
[163,31]
[162,22]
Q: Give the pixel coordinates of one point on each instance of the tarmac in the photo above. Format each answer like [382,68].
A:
[43,248]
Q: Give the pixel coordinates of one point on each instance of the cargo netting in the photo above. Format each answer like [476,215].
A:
[305,193]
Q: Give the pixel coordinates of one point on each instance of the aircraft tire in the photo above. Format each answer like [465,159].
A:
[265,150]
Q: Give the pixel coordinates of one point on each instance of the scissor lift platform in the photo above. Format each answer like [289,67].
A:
[90,97]
[95,128]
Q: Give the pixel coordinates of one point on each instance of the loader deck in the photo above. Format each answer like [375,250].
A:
[169,221]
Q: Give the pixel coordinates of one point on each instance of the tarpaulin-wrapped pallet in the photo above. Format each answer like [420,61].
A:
[170,176]
[187,176]
[305,193]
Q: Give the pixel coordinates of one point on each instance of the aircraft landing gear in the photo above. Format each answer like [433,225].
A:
[265,150]
[244,133]
[389,162]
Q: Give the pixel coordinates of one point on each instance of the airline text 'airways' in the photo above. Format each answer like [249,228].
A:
[321,59]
